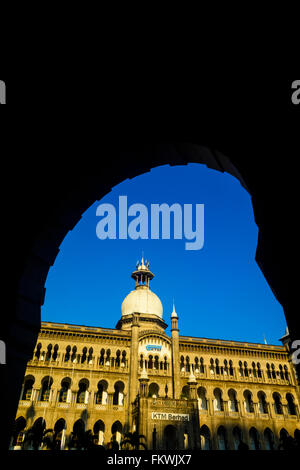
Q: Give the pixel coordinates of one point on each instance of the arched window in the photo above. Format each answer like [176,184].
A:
[28,387]
[217,367]
[99,430]
[38,428]
[218,400]
[185,393]
[277,403]
[286,374]
[118,359]
[232,404]
[201,365]
[170,437]
[281,372]
[46,388]
[59,428]
[118,397]
[67,354]
[38,351]
[150,362]
[246,372]
[230,368]
[153,390]
[187,364]
[205,438]
[268,371]
[259,374]
[273,371]
[262,403]
[65,391]
[268,439]
[49,352]
[237,437]
[116,431]
[101,395]
[101,360]
[283,434]
[222,438]
[248,402]
[202,401]
[18,432]
[74,354]
[83,355]
[108,359]
[141,361]
[290,404]
[78,433]
[55,353]
[83,394]
[225,367]
[254,439]
[241,372]
[182,364]
[283,439]
[90,356]
[156,364]
[123,362]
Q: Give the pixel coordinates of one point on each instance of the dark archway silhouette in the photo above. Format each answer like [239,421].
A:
[56,206]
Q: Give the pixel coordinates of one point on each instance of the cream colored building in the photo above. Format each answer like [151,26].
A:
[179,392]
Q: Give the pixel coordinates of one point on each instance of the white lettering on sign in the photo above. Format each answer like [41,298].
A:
[152,347]
[170,416]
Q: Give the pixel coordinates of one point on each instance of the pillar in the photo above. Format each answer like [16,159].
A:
[175,356]
[133,371]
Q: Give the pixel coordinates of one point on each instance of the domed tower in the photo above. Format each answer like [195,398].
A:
[142,301]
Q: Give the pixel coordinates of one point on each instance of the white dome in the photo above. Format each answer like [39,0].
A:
[142,300]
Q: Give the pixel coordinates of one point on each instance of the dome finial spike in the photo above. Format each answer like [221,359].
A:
[174,314]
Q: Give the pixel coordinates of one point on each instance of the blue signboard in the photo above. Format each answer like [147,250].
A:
[153,347]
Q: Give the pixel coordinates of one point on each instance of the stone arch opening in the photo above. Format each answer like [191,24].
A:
[18,433]
[28,387]
[170,437]
[102,394]
[237,437]
[116,431]
[118,396]
[205,438]
[269,439]
[45,246]
[154,390]
[99,431]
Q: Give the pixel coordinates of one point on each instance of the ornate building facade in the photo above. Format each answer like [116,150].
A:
[178,392]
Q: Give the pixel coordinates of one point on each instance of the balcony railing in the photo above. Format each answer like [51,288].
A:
[235,376]
[93,364]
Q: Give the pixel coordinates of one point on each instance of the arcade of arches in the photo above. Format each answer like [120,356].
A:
[179,392]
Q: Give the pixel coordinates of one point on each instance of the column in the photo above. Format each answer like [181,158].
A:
[133,371]
[175,358]
[143,407]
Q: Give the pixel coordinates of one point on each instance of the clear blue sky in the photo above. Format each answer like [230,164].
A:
[219,291]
